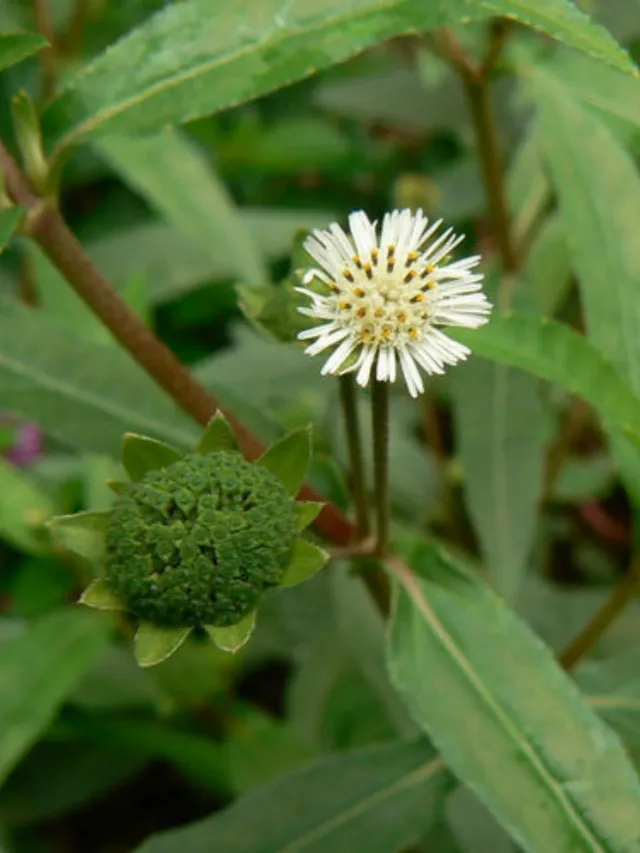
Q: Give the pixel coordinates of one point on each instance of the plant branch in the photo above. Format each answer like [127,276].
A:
[475,79]
[45,225]
[600,622]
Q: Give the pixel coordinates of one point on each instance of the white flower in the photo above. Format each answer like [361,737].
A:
[386,297]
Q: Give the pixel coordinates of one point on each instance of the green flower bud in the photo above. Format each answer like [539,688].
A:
[199,541]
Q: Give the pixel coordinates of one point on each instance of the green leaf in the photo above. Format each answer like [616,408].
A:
[233,637]
[361,631]
[596,85]
[57,778]
[376,799]
[613,690]
[262,748]
[306,560]
[14,47]
[100,596]
[548,266]
[9,220]
[154,643]
[175,264]
[83,394]
[218,435]
[173,174]
[499,421]
[38,670]
[199,758]
[83,533]
[471,673]
[289,459]
[555,352]
[141,454]
[306,513]
[24,507]
[599,208]
[208,55]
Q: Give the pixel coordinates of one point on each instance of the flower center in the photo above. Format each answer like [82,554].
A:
[384,299]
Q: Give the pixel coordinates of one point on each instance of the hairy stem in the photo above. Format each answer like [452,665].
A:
[380,429]
[349,400]
[45,225]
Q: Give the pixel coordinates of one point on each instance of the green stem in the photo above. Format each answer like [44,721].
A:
[380,424]
[602,619]
[349,402]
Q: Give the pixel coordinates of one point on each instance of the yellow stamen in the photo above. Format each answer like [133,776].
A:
[374,255]
[359,292]
[346,272]
[356,260]
[368,271]
[344,305]
[411,257]
[361,312]
[411,274]
[419,297]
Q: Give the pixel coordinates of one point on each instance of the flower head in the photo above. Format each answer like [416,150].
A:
[388,294]
[194,541]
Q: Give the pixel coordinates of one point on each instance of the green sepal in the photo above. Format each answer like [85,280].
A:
[141,454]
[100,596]
[289,459]
[118,486]
[233,637]
[306,512]
[218,435]
[153,643]
[306,560]
[83,533]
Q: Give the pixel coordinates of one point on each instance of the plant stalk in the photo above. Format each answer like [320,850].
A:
[478,92]
[349,403]
[602,619]
[380,429]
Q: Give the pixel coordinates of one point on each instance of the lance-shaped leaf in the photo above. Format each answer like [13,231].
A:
[378,799]
[154,643]
[233,637]
[306,512]
[101,596]
[218,435]
[289,459]
[83,533]
[14,47]
[306,560]
[505,717]
[555,352]
[194,59]
[141,454]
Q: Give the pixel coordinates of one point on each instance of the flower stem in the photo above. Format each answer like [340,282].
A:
[591,633]
[348,400]
[380,424]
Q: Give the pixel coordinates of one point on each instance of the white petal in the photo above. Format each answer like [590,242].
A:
[337,359]
[327,341]
[363,232]
[364,372]
[411,373]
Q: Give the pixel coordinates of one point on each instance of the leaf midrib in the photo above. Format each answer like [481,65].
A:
[537,762]
[366,803]
[318,25]
[101,404]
